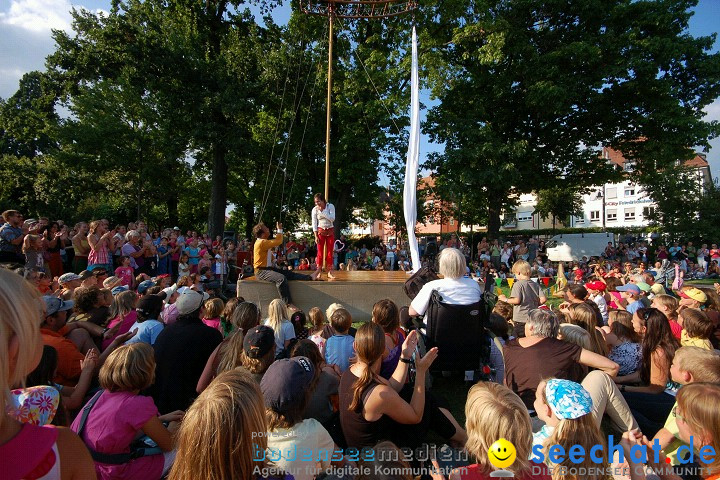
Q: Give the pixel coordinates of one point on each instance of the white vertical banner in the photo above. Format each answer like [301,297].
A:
[411,165]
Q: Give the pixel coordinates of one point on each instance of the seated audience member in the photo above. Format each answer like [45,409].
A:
[69,282]
[492,412]
[631,295]
[624,342]
[232,400]
[540,355]
[147,324]
[258,352]
[181,351]
[386,314]
[576,335]
[339,347]
[650,402]
[499,328]
[668,305]
[278,320]
[27,450]
[566,408]
[213,310]
[596,291]
[371,409]
[697,328]
[70,356]
[122,315]
[113,418]
[690,365]
[227,355]
[454,287]
[324,387]
[286,390]
[320,330]
[583,315]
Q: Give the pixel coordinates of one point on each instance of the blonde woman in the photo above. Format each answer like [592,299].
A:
[30,451]
[235,451]
[584,315]
[492,412]
[279,322]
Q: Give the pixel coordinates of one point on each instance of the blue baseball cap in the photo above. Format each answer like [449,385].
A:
[119,289]
[144,286]
[630,287]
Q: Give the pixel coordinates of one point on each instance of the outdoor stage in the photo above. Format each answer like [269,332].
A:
[357,291]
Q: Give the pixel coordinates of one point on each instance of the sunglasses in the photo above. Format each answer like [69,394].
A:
[677,415]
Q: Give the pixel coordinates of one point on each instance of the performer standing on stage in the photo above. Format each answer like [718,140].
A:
[323,217]
[262,261]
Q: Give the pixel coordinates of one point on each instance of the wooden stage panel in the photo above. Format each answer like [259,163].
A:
[357,291]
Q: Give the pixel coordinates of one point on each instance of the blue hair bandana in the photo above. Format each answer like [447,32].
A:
[567,400]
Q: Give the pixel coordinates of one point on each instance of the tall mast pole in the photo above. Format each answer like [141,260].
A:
[329,103]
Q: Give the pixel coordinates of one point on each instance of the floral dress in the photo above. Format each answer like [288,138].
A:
[628,355]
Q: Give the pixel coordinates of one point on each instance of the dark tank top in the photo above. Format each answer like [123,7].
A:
[358,431]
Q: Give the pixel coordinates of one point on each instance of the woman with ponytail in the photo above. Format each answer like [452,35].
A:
[371,409]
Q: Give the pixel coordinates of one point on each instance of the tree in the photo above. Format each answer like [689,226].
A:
[558,202]
[529,90]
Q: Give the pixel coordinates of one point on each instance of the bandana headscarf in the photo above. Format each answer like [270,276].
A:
[567,399]
[34,405]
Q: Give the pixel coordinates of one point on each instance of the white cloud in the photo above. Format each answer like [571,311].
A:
[39,16]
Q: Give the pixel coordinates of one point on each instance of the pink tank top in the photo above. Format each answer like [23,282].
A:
[31,455]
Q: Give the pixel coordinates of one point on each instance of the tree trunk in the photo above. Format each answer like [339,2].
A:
[218,196]
[249,211]
[172,207]
[493,223]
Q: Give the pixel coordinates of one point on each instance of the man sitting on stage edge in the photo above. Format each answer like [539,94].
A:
[263,262]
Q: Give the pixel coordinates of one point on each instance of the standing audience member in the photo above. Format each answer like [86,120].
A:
[524,297]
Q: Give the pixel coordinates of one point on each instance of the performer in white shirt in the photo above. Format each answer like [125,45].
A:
[323,218]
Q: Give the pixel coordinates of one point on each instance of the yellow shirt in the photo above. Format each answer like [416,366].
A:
[687,341]
[261,251]
[671,449]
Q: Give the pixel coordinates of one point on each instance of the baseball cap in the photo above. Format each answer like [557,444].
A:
[150,306]
[68,277]
[596,285]
[694,294]
[119,289]
[286,382]
[55,304]
[112,282]
[643,286]
[144,286]
[630,287]
[176,228]
[189,301]
[258,341]
[85,274]
[657,289]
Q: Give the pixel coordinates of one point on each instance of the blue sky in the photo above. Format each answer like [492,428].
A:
[25,42]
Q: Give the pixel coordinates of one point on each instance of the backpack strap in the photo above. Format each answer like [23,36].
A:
[112,459]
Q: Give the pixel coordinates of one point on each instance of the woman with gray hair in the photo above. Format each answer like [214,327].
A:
[454,288]
[541,355]
[133,250]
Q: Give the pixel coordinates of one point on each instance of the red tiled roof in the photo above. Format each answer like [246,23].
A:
[616,157]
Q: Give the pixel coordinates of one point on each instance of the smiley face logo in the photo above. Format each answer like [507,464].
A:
[502,453]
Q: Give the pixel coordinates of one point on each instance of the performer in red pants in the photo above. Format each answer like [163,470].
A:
[323,217]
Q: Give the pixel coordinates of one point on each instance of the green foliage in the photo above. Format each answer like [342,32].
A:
[559,202]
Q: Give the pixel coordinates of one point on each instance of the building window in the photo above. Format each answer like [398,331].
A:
[648,211]
[612,215]
[629,191]
[628,166]
[524,216]
[629,214]
[452,221]
[595,216]
[611,192]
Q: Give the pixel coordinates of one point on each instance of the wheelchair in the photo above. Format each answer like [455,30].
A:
[460,334]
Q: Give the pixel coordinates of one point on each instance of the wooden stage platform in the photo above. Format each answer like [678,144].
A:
[357,291]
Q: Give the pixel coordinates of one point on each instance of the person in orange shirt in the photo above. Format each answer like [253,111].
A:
[56,332]
[264,269]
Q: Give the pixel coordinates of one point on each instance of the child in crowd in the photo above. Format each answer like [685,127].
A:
[697,328]
[163,255]
[631,294]
[183,266]
[213,310]
[690,365]
[668,305]
[226,324]
[33,249]
[125,272]
[493,411]
[234,401]
[205,261]
[596,290]
[122,312]
[624,342]
[339,347]
[525,296]
[147,323]
[566,408]
[298,321]
[286,390]
[112,420]
[193,253]
[278,321]
[317,330]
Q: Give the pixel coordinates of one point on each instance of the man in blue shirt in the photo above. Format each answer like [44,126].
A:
[12,234]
